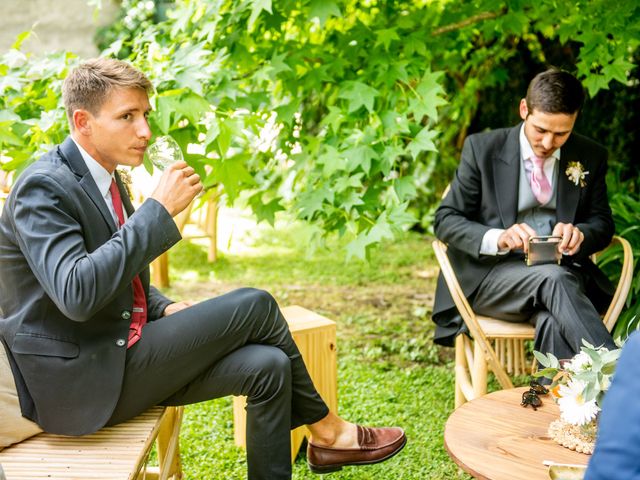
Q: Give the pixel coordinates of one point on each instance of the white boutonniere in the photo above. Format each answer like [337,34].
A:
[576,174]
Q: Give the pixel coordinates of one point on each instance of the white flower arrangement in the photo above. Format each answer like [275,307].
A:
[579,385]
[575,172]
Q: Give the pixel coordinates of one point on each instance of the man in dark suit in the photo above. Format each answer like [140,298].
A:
[537,178]
[91,343]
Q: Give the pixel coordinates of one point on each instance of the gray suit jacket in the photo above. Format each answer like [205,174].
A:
[484,195]
[65,289]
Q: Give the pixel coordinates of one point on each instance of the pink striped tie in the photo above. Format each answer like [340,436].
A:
[539,183]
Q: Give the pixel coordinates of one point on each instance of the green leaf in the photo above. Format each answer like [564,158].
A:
[405,188]
[278,65]
[334,118]
[358,247]
[618,70]
[323,9]
[9,117]
[360,156]
[286,111]
[351,200]
[212,133]
[596,82]
[400,218]
[381,230]
[546,372]
[423,141]
[256,9]
[192,106]
[331,160]
[542,359]
[385,36]
[311,202]
[166,105]
[429,97]
[228,128]
[232,173]
[348,182]
[358,94]
[21,38]
[7,136]
[265,211]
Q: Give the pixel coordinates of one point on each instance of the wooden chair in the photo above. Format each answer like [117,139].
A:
[499,345]
[113,453]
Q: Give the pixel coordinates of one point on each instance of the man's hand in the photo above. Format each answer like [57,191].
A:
[178,185]
[516,237]
[176,307]
[572,238]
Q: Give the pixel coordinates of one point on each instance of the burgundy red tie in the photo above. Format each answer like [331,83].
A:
[139,314]
[539,183]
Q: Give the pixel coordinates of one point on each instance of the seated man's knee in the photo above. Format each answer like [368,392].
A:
[258,298]
[273,371]
[556,274]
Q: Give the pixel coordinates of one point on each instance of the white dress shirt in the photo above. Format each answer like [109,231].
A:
[489,244]
[102,178]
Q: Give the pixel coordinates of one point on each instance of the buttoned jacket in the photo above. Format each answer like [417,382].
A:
[66,294]
[484,195]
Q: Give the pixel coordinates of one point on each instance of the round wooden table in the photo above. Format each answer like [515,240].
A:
[493,437]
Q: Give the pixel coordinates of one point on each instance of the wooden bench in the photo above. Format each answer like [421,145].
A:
[113,453]
[122,452]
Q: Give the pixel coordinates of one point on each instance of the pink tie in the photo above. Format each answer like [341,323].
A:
[539,182]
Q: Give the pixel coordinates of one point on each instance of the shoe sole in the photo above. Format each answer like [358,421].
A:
[336,467]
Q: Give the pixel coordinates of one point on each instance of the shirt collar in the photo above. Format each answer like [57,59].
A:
[527,152]
[100,175]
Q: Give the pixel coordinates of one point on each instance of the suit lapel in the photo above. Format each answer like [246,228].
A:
[124,194]
[568,193]
[506,171]
[71,154]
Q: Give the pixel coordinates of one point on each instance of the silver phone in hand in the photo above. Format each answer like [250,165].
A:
[543,249]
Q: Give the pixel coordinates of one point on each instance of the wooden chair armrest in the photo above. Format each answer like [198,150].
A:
[467,314]
[624,282]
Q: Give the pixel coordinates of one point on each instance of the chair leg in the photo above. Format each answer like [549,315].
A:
[461,364]
[479,371]
[499,347]
[168,444]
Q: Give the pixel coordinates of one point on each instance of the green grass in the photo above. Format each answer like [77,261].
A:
[389,370]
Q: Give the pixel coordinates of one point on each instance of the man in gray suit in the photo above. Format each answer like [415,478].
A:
[537,178]
[91,343]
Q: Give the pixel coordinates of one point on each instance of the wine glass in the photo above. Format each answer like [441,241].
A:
[164,152]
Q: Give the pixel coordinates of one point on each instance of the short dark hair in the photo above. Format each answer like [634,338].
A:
[555,91]
[88,85]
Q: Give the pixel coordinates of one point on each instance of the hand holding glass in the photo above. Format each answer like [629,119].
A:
[164,152]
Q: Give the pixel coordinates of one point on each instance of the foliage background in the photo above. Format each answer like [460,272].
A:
[350,114]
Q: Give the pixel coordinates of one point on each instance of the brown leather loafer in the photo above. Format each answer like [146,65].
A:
[375,445]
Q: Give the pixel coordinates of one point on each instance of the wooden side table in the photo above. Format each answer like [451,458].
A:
[494,437]
[315,337]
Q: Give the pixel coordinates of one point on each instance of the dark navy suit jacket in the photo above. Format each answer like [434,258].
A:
[617,452]
[66,294]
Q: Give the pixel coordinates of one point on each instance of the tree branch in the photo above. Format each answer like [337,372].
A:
[469,21]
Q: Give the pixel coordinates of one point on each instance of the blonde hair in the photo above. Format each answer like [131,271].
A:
[89,84]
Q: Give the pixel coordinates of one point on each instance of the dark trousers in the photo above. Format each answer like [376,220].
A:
[552,297]
[235,344]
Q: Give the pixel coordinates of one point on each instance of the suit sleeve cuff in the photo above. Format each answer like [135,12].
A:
[489,245]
